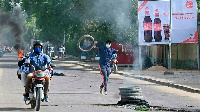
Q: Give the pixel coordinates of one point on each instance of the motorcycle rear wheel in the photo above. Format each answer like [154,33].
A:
[38,99]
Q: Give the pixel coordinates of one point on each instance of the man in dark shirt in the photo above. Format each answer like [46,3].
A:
[104,63]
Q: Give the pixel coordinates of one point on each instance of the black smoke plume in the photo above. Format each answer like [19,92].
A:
[15,22]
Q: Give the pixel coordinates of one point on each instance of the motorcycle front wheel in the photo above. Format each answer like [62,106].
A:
[38,99]
[115,68]
[33,104]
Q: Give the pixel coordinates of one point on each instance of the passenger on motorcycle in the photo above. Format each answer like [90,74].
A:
[114,56]
[113,63]
[22,67]
[37,58]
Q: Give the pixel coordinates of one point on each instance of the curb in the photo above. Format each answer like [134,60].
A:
[177,86]
[173,85]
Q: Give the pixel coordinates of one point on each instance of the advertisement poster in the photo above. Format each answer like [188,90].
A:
[154,21]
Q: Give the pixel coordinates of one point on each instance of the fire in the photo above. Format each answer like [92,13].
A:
[20,53]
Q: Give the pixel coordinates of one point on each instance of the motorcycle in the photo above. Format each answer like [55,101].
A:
[113,65]
[36,94]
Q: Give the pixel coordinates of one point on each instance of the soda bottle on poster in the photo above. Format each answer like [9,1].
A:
[147,25]
[157,27]
[166,31]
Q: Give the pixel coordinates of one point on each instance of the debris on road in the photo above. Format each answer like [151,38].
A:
[59,74]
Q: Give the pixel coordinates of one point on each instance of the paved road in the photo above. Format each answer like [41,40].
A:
[78,91]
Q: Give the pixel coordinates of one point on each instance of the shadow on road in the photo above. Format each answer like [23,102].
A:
[151,108]
[9,61]
[71,68]
[69,93]
[10,66]
[15,109]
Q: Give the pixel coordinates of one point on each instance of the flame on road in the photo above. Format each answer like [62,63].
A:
[20,54]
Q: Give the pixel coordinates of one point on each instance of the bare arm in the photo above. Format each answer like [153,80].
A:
[96,48]
[121,50]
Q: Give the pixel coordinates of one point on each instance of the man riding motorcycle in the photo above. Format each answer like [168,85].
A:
[37,58]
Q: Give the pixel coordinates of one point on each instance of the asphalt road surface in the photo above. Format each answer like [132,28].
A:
[78,90]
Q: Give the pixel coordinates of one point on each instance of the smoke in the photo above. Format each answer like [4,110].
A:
[117,13]
[122,15]
[114,12]
[16,23]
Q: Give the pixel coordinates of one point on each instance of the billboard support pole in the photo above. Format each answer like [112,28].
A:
[198,61]
[169,72]
[198,53]
[139,50]
[140,58]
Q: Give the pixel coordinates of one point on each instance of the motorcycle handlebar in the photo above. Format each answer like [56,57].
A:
[52,65]
[34,68]
[40,67]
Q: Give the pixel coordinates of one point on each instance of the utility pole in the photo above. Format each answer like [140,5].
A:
[198,51]
[64,43]
[169,72]
[64,39]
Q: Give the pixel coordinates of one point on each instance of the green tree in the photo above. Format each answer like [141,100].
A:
[48,20]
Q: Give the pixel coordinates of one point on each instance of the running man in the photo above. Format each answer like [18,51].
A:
[106,53]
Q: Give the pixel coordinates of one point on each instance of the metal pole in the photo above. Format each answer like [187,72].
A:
[176,54]
[64,39]
[198,56]
[198,24]
[154,53]
[64,44]
[170,39]
[140,58]
[140,51]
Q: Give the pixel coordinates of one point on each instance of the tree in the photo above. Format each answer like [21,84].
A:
[49,19]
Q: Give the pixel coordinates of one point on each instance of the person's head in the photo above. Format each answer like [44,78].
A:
[37,46]
[27,55]
[108,44]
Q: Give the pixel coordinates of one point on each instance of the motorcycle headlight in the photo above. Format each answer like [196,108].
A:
[115,60]
[40,74]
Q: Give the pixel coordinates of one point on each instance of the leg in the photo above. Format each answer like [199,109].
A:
[28,82]
[104,74]
[62,54]
[46,85]
[102,83]
[58,54]
[108,72]
[23,78]
[46,89]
